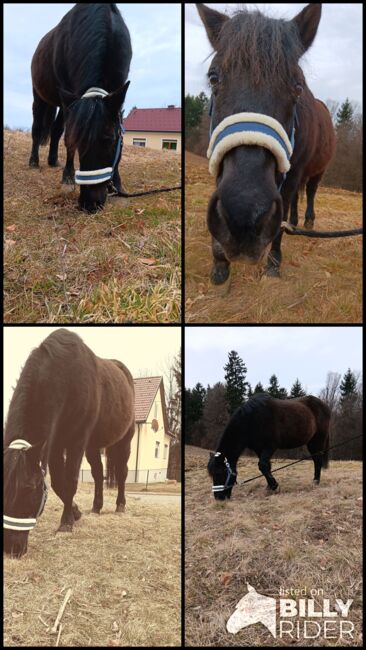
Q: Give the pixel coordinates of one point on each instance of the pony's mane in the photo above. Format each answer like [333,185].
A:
[266,49]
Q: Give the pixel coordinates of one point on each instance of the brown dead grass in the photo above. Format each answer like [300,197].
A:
[124,571]
[61,265]
[301,537]
[321,279]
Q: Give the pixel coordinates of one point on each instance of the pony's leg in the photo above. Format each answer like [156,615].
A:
[311,188]
[56,133]
[293,213]
[68,175]
[43,116]
[314,449]
[274,258]
[221,265]
[265,467]
[95,462]
[56,466]
[121,454]
[71,475]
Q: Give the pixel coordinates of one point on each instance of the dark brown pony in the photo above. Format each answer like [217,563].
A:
[255,69]
[67,401]
[90,48]
[315,168]
[265,424]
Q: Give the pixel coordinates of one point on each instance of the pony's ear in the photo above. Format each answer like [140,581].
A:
[114,101]
[307,23]
[66,97]
[213,21]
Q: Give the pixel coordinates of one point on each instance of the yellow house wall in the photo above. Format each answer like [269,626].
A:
[157,467]
[154,140]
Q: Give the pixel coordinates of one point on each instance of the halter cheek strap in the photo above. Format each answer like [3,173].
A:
[250,129]
[230,473]
[96,176]
[24,523]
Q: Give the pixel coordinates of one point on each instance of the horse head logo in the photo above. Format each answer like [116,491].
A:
[253,608]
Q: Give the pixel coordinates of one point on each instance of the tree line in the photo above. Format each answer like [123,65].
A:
[207,410]
[345,170]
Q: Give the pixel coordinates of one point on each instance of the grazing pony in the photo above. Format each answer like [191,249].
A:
[67,402]
[264,424]
[82,66]
[268,133]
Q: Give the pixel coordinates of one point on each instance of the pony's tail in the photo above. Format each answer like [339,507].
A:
[111,471]
[48,119]
[325,457]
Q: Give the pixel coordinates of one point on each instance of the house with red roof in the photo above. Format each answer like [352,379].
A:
[157,128]
[150,445]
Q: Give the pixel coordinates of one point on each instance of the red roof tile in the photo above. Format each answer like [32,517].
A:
[145,391]
[154,119]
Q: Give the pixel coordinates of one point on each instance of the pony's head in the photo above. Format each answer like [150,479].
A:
[256,83]
[25,494]
[223,476]
[93,128]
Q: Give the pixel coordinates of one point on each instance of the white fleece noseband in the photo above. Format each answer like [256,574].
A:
[250,129]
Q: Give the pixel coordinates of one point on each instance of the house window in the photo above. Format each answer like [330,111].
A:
[139,142]
[157,445]
[165,451]
[169,144]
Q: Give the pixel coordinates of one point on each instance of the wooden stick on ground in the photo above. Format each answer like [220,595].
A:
[58,636]
[61,611]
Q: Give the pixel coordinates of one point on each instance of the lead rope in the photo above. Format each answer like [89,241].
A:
[293,230]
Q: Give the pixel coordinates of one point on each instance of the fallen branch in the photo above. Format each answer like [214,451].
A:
[59,634]
[61,611]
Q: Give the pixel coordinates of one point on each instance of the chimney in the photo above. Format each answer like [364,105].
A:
[171,106]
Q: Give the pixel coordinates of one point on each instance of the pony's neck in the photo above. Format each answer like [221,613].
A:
[232,442]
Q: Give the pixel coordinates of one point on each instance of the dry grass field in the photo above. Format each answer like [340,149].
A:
[301,537]
[124,571]
[62,265]
[321,279]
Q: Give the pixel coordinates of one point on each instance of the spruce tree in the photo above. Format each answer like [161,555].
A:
[297,390]
[258,388]
[345,114]
[236,386]
[348,387]
[274,387]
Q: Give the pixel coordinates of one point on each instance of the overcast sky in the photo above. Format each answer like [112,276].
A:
[332,66]
[307,353]
[155,71]
[144,350]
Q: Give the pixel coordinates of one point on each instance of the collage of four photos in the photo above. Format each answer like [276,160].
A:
[182,325]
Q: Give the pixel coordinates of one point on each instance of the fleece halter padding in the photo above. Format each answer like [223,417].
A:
[95,176]
[250,129]
[24,523]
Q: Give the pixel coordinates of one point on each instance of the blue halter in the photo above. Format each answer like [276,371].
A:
[96,176]
[229,474]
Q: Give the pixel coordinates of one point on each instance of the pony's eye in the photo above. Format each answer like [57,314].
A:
[213,78]
[298,89]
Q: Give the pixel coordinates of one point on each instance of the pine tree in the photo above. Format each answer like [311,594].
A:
[345,114]
[274,387]
[194,402]
[236,386]
[258,388]
[297,390]
[348,387]
[249,391]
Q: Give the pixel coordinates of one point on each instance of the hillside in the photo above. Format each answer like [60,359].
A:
[62,265]
[321,279]
[301,538]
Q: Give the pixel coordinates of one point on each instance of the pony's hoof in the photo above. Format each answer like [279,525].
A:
[308,224]
[272,272]
[67,180]
[53,163]
[33,163]
[95,512]
[76,512]
[316,483]
[273,490]
[219,274]
[120,508]
[64,528]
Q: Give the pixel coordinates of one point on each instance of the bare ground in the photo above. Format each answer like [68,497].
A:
[302,538]
[321,279]
[124,571]
[62,265]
